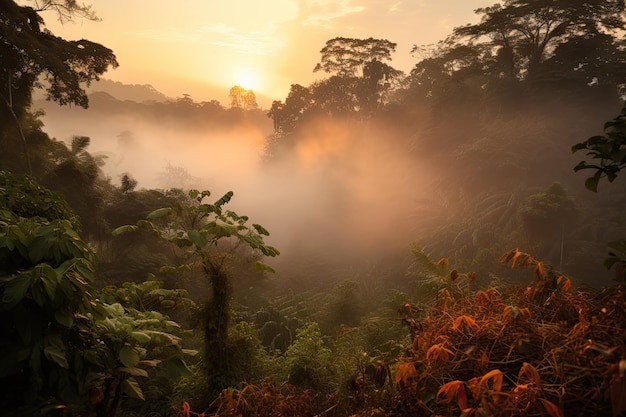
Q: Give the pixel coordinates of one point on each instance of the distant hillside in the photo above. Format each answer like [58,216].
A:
[132,92]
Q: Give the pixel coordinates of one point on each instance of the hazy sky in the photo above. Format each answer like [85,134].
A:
[204,47]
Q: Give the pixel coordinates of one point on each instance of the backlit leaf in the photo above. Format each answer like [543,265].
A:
[56,354]
[123,229]
[129,357]
[131,388]
[496,375]
[140,337]
[158,213]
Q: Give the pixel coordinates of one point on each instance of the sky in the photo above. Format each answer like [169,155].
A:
[204,47]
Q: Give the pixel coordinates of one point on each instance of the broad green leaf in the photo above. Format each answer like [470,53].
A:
[124,229]
[129,357]
[162,338]
[591,183]
[140,337]
[135,371]
[38,250]
[158,213]
[131,388]
[50,281]
[115,309]
[262,266]
[197,238]
[167,269]
[177,367]
[152,362]
[64,317]
[57,355]
[16,289]
[225,199]
[261,230]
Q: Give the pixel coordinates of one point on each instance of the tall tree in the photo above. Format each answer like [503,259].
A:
[199,231]
[363,63]
[287,115]
[29,53]
[522,34]
[240,98]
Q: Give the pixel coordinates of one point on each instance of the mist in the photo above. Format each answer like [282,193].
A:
[341,198]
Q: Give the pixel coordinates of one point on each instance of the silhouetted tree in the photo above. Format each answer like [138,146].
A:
[240,98]
[29,53]
[358,64]
[522,34]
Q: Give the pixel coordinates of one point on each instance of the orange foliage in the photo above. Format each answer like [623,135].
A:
[438,352]
[466,323]
[452,390]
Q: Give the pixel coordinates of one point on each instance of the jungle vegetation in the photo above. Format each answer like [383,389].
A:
[508,300]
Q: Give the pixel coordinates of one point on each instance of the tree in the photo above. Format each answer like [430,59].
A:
[287,115]
[78,176]
[363,61]
[522,34]
[199,231]
[30,52]
[240,98]
[347,57]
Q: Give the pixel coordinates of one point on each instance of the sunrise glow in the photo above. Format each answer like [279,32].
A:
[247,78]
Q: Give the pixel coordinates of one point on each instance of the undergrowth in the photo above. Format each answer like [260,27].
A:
[541,350]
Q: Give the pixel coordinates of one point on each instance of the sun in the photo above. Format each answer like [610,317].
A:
[246,78]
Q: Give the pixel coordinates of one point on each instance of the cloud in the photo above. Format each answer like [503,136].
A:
[254,42]
[324,13]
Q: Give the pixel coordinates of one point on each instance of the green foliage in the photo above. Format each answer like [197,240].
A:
[343,306]
[608,152]
[65,64]
[276,327]
[47,303]
[309,362]
[147,296]
[24,197]
[131,344]
[546,217]
[200,232]
[62,347]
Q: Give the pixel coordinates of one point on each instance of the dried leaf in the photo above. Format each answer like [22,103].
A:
[551,408]
[454,274]
[405,373]
[442,264]
[484,359]
[618,388]
[461,397]
[540,271]
[496,375]
[530,373]
[465,322]
[438,352]
[450,390]
[564,282]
